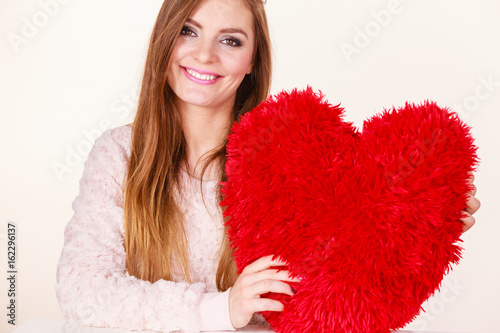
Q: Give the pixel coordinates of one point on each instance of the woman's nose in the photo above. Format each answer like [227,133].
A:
[206,51]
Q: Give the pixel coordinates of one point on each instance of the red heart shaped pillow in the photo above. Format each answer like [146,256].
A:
[368,220]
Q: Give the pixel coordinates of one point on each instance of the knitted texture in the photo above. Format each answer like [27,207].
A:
[369,220]
[93,287]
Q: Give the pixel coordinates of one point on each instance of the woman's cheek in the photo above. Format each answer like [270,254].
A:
[239,65]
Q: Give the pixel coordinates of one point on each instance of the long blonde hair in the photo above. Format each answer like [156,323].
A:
[154,223]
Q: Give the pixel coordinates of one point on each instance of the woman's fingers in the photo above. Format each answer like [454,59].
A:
[271,286]
[267,304]
[244,299]
[468,221]
[474,190]
[259,277]
[271,280]
[268,274]
[472,177]
[263,264]
[472,205]
[251,306]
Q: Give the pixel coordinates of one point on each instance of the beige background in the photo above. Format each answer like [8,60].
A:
[77,75]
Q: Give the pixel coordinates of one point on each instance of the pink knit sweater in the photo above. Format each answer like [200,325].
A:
[93,287]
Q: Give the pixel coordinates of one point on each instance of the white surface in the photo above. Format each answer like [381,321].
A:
[77,76]
[45,325]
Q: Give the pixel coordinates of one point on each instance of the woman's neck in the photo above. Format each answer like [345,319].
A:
[205,129]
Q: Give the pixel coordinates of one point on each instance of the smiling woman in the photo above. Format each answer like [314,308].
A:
[146,247]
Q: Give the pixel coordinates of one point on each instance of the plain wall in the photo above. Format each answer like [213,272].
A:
[77,74]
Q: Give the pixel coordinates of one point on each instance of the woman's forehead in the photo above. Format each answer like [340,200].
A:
[223,12]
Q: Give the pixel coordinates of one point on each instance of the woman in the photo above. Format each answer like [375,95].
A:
[146,247]
[208,63]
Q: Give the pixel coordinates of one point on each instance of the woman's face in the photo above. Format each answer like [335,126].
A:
[213,54]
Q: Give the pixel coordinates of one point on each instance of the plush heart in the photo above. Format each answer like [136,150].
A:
[368,220]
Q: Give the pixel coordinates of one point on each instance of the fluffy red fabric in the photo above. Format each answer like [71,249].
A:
[368,220]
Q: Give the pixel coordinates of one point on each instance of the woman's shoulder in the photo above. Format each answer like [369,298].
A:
[111,152]
[114,142]
[117,137]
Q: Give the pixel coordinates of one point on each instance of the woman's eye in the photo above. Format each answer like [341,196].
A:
[186,31]
[231,42]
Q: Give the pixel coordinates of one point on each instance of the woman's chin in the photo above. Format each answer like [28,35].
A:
[199,99]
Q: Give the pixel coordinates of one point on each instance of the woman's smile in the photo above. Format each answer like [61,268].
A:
[201,76]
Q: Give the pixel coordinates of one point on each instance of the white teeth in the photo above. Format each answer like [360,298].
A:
[204,77]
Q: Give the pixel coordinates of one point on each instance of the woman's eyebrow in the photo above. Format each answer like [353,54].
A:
[225,30]
[193,22]
[233,31]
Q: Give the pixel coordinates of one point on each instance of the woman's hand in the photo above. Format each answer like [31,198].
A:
[256,279]
[472,205]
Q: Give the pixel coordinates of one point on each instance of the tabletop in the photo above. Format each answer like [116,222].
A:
[55,325]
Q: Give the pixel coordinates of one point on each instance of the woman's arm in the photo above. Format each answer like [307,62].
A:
[92,286]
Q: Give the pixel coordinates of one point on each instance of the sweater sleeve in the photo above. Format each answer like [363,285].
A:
[93,288]
[214,312]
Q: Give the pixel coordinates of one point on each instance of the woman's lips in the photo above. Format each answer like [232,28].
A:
[201,76]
